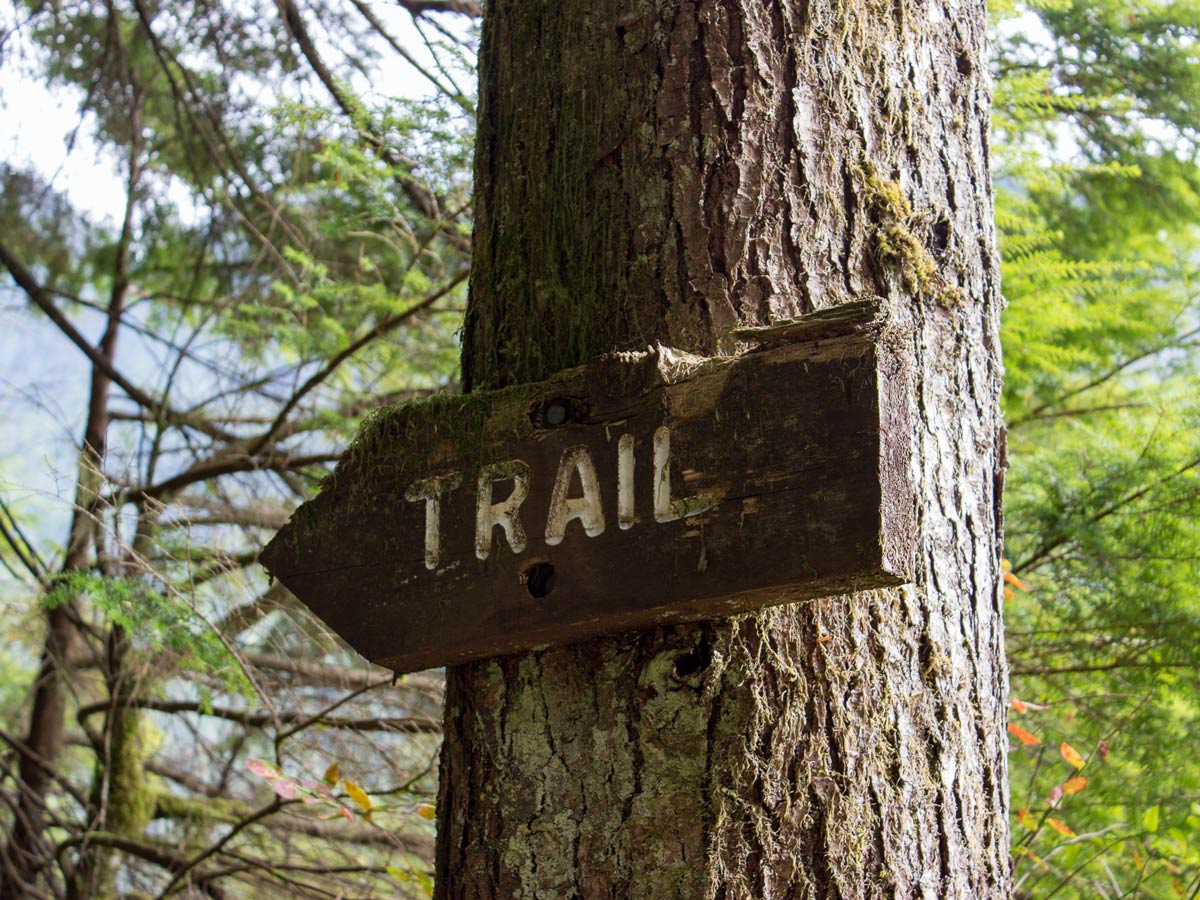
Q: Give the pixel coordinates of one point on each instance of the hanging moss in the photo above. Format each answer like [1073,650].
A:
[898,249]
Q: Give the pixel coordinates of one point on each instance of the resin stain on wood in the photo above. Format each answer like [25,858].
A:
[641,489]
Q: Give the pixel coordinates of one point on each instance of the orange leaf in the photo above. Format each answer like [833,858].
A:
[427,811]
[1008,593]
[1026,818]
[1022,735]
[1071,755]
[1060,828]
[332,774]
[1074,785]
[1015,581]
[1025,705]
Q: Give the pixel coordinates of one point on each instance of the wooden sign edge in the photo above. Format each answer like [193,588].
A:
[667,615]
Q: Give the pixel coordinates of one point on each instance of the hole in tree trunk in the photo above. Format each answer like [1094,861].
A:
[693,662]
[540,579]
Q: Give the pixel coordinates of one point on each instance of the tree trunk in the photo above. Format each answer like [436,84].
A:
[27,854]
[667,171]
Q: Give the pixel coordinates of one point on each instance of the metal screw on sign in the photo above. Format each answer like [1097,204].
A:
[556,414]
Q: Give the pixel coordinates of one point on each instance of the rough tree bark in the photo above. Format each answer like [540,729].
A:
[667,170]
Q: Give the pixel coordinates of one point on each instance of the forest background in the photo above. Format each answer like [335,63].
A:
[282,248]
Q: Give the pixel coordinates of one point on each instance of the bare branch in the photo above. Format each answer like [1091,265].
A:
[41,298]
[238,620]
[161,855]
[395,724]
[320,674]
[21,547]
[451,92]
[229,462]
[349,350]
[171,807]
[272,807]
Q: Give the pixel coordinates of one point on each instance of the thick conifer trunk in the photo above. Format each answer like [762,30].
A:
[666,171]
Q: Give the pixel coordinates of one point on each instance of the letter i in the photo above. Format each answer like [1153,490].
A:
[625,514]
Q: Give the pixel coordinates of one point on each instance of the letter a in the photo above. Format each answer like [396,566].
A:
[586,508]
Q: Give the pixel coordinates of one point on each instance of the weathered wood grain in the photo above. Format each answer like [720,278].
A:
[787,474]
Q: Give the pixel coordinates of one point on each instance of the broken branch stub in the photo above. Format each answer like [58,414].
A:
[641,489]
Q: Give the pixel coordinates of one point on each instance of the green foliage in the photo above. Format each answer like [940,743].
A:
[284,264]
[363,258]
[156,619]
[1097,193]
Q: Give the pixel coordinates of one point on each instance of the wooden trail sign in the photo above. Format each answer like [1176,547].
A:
[641,489]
